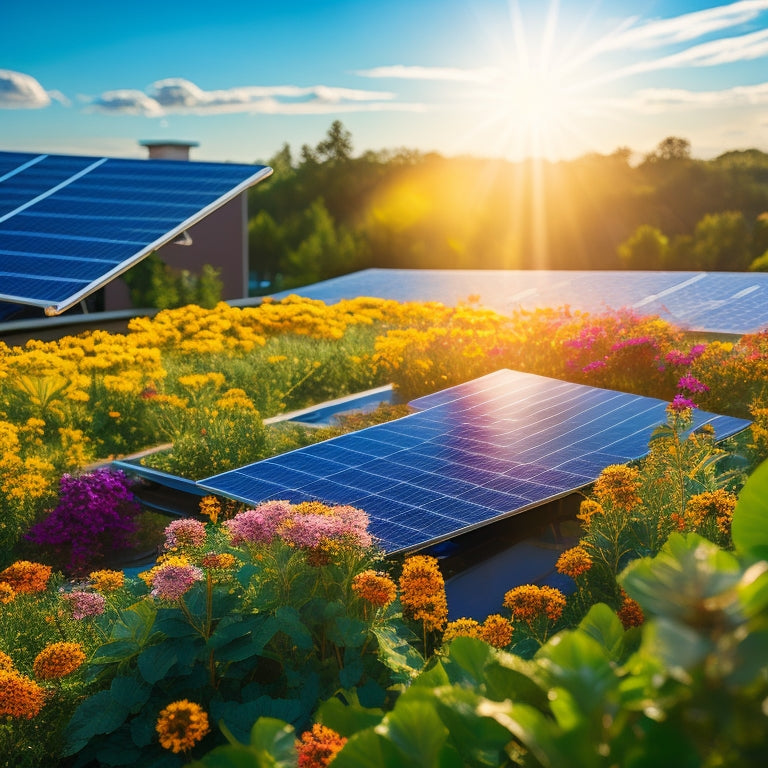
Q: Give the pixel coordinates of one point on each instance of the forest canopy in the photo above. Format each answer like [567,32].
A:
[326,212]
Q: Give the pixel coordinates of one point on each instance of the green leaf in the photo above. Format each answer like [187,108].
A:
[415,728]
[466,660]
[750,518]
[237,638]
[142,731]
[155,662]
[368,749]
[130,692]
[398,654]
[753,589]
[347,632]
[347,719]
[510,677]
[679,646]
[135,622]
[602,623]
[686,572]
[115,651]
[99,713]
[245,574]
[351,672]
[289,621]
[240,717]
[172,623]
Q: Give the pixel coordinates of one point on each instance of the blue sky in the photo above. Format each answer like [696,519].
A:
[481,77]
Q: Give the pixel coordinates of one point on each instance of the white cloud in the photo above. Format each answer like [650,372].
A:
[20,91]
[683,28]
[657,100]
[451,74]
[177,95]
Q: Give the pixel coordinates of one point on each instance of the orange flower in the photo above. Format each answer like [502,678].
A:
[618,484]
[318,747]
[107,581]
[210,507]
[19,696]
[221,560]
[58,660]
[497,631]
[25,576]
[589,509]
[6,662]
[7,593]
[181,725]
[630,613]
[376,588]
[422,591]
[574,562]
[719,503]
[529,601]
[461,628]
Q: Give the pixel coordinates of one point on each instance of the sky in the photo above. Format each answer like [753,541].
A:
[488,78]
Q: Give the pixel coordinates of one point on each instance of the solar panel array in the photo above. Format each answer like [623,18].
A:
[469,455]
[716,302]
[70,224]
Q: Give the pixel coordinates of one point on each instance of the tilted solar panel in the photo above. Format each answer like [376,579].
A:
[69,225]
[469,455]
[717,302]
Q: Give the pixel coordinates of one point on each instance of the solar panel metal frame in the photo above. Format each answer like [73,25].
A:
[317,472]
[249,176]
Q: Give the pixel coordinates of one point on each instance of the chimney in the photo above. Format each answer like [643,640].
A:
[164,149]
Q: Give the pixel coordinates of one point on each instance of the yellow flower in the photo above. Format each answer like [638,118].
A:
[588,509]
[7,593]
[19,696]
[210,507]
[58,660]
[181,725]
[719,503]
[461,628]
[529,601]
[6,662]
[106,580]
[221,560]
[618,484]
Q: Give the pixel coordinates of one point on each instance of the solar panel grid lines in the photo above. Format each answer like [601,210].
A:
[483,455]
[70,224]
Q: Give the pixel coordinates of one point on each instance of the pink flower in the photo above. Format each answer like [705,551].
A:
[682,403]
[170,582]
[346,525]
[257,526]
[594,365]
[186,532]
[85,603]
[692,384]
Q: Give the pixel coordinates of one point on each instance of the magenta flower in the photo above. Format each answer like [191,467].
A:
[85,603]
[594,365]
[692,384]
[636,341]
[172,581]
[184,533]
[682,403]
[257,526]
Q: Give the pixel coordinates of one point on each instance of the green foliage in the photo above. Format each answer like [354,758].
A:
[646,248]
[152,283]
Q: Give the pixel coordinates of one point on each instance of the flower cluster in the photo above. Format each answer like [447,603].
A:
[181,725]
[495,630]
[7,593]
[318,747]
[422,591]
[718,504]
[170,582]
[630,613]
[186,532]
[257,526]
[574,562]
[58,660]
[19,696]
[25,576]
[618,484]
[84,604]
[588,509]
[529,602]
[107,580]
[218,561]
[375,588]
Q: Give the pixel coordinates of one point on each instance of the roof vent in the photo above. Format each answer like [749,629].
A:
[164,149]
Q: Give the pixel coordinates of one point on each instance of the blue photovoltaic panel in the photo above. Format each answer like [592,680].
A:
[717,302]
[469,455]
[70,224]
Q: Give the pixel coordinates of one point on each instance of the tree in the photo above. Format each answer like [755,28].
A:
[722,241]
[266,245]
[671,148]
[646,248]
[282,162]
[337,145]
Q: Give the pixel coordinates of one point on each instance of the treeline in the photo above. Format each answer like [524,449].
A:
[326,212]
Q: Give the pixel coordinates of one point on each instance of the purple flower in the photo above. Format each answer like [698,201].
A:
[85,603]
[692,384]
[344,524]
[257,526]
[170,582]
[682,403]
[636,341]
[186,532]
[594,365]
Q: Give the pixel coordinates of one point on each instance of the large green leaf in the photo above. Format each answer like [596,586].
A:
[466,660]
[686,572]
[99,713]
[750,518]
[602,623]
[130,692]
[135,622]
[398,654]
[369,749]
[240,637]
[155,662]
[415,728]
[289,621]
[349,718]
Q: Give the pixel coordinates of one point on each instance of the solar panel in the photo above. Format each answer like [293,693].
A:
[467,456]
[69,225]
[716,302]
